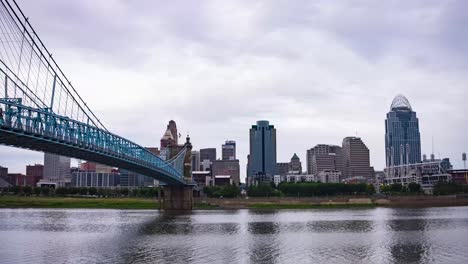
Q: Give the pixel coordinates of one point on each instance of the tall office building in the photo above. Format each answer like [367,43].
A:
[324,157]
[228,150]
[402,138]
[196,163]
[208,154]
[227,168]
[356,159]
[262,160]
[56,168]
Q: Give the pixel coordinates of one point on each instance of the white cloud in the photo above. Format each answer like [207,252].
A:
[319,71]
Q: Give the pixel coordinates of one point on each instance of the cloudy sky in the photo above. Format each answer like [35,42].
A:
[318,70]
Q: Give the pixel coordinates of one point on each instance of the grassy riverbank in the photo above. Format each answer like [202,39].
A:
[235,203]
[72,202]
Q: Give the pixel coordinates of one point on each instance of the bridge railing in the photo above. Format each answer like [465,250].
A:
[49,126]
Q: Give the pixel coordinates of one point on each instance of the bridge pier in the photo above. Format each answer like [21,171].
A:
[178,197]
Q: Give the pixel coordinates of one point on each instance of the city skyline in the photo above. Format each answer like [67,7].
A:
[306,109]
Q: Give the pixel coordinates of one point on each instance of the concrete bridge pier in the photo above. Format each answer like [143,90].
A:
[178,197]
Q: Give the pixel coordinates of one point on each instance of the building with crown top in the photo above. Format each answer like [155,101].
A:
[402,138]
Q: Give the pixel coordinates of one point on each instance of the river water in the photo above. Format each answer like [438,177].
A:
[380,235]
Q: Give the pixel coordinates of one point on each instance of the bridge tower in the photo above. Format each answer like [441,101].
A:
[180,197]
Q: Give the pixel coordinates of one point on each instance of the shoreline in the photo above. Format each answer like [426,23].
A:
[273,203]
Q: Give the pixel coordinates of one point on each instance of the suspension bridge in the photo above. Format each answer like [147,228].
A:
[41,110]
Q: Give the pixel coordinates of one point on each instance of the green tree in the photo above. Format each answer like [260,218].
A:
[27,190]
[396,188]
[83,191]
[92,191]
[370,189]
[62,191]
[46,191]
[124,191]
[447,188]
[262,190]
[37,191]
[414,187]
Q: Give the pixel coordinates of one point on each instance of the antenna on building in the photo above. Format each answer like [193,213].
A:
[432,144]
[464,160]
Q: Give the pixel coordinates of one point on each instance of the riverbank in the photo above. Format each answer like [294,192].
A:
[77,202]
[335,202]
[236,203]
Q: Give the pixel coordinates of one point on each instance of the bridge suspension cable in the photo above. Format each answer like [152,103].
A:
[39,80]
[41,110]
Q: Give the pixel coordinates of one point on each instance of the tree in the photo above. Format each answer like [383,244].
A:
[262,190]
[446,188]
[92,191]
[370,189]
[396,188]
[37,191]
[45,191]
[62,191]
[414,187]
[27,190]
[83,191]
[124,191]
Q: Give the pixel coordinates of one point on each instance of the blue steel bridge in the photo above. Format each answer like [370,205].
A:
[41,110]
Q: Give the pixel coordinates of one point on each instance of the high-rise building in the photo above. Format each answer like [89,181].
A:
[226,167]
[402,138]
[324,157]
[34,173]
[295,164]
[196,164]
[208,154]
[228,150]
[3,172]
[282,168]
[356,159]
[56,167]
[262,160]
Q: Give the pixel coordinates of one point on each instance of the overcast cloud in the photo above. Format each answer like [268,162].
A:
[318,70]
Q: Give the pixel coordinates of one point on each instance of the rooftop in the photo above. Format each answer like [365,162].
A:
[400,102]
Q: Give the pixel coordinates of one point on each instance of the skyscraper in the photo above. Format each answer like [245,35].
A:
[324,157]
[56,168]
[227,167]
[262,149]
[208,154]
[228,150]
[356,158]
[402,138]
[195,160]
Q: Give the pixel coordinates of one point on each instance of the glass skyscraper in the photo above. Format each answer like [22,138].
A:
[402,138]
[262,159]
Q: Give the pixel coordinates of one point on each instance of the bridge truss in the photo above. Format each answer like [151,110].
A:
[41,110]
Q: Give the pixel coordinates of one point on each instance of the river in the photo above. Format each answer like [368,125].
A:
[378,235]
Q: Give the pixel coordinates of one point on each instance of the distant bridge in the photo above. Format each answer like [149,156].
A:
[41,110]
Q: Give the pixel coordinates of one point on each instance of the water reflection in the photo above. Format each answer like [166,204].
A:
[263,247]
[408,243]
[340,226]
[310,236]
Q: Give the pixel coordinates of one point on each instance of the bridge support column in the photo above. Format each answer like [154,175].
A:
[178,197]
